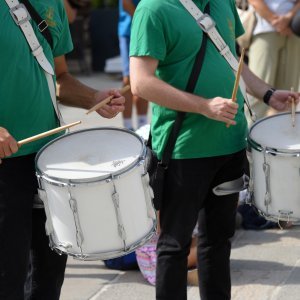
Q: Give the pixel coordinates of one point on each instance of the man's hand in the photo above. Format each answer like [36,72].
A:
[221,109]
[8,145]
[282,24]
[115,106]
[281,99]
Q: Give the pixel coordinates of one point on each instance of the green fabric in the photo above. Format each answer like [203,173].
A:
[166,31]
[26,105]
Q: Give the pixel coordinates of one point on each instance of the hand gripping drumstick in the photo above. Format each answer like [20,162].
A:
[107,100]
[44,134]
[237,78]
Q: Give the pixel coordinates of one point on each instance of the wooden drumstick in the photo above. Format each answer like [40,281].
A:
[293,109]
[107,100]
[47,133]
[237,78]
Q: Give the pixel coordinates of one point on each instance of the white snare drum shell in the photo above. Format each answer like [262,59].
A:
[275,167]
[93,230]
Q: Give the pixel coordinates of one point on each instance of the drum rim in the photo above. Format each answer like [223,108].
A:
[59,180]
[108,254]
[275,151]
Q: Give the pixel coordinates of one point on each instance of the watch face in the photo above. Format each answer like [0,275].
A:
[268,95]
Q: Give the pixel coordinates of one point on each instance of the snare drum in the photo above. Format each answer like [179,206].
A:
[96,193]
[274,186]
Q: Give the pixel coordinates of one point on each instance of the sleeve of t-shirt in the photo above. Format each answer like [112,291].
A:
[239,29]
[64,43]
[147,35]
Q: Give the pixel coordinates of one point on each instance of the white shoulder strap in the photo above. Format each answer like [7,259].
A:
[21,17]
[207,24]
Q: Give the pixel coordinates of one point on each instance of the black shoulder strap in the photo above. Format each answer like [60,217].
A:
[190,88]
[41,23]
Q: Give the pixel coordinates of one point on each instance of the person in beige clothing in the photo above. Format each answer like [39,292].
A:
[274,51]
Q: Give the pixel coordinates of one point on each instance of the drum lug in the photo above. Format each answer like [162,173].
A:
[74,208]
[266,168]
[250,189]
[121,228]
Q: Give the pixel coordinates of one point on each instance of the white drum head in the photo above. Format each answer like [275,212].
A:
[90,154]
[277,132]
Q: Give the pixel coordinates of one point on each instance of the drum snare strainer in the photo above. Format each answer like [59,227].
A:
[96,193]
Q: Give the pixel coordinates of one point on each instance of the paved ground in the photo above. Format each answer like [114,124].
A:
[265,264]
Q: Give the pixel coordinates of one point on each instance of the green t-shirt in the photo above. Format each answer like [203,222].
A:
[167,32]
[26,105]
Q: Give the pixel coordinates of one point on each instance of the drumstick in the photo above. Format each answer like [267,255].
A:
[44,134]
[107,100]
[237,78]
[293,109]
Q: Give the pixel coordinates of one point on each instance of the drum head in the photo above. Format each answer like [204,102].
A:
[90,154]
[276,132]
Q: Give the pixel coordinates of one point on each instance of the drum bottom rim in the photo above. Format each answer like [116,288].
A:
[108,254]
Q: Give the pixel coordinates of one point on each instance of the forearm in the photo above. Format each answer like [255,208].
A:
[72,92]
[263,10]
[255,86]
[294,10]
[146,85]
[155,90]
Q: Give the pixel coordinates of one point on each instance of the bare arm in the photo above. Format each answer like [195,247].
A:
[255,86]
[71,12]
[128,6]
[263,10]
[146,85]
[280,100]
[72,92]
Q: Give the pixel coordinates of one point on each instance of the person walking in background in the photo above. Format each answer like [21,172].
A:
[27,110]
[165,40]
[126,11]
[274,54]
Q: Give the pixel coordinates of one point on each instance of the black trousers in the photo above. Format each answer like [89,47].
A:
[22,231]
[188,199]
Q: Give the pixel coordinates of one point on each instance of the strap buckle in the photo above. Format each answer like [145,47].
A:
[206,23]
[20,14]
[42,25]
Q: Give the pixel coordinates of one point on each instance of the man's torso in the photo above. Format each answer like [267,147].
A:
[26,106]
[174,38]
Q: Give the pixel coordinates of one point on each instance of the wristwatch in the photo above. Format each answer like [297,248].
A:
[268,95]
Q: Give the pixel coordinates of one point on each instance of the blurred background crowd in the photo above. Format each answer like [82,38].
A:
[94,29]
